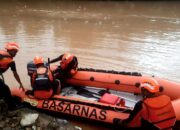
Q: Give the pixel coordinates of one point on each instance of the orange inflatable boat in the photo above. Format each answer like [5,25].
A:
[125,82]
[100,95]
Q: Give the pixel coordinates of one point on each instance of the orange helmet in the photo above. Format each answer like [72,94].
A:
[38,60]
[66,59]
[12,46]
[151,85]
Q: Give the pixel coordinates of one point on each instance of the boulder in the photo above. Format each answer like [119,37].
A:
[29,119]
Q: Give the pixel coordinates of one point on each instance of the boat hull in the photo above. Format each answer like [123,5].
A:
[76,107]
[112,80]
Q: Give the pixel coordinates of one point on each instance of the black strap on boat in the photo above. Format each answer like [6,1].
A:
[88,95]
[111,71]
[117,81]
[123,110]
[81,89]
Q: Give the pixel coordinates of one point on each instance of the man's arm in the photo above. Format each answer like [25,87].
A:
[18,79]
[56,59]
[133,117]
[13,68]
[137,108]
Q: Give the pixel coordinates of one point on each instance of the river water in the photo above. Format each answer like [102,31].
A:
[123,36]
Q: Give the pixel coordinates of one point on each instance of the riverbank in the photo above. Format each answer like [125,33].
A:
[27,119]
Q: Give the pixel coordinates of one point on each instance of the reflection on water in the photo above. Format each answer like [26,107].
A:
[130,36]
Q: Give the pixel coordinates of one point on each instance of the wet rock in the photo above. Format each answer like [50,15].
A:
[62,121]
[14,122]
[21,129]
[28,128]
[33,127]
[7,128]
[7,120]
[59,124]
[43,120]
[53,124]
[29,119]
[78,128]
[2,124]
[11,114]
[39,128]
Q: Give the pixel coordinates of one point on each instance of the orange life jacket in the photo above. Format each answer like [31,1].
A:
[5,60]
[42,83]
[159,111]
[69,64]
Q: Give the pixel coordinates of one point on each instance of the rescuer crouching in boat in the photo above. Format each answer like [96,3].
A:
[155,112]
[67,68]
[42,81]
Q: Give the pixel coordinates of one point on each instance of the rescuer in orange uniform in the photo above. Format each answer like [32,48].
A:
[67,68]
[6,61]
[68,64]
[43,83]
[155,112]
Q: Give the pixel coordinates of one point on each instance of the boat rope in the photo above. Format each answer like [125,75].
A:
[111,71]
[115,82]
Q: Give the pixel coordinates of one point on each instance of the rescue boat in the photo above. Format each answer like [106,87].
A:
[100,95]
[125,82]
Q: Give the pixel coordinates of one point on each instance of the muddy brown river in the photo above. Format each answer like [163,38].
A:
[111,35]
